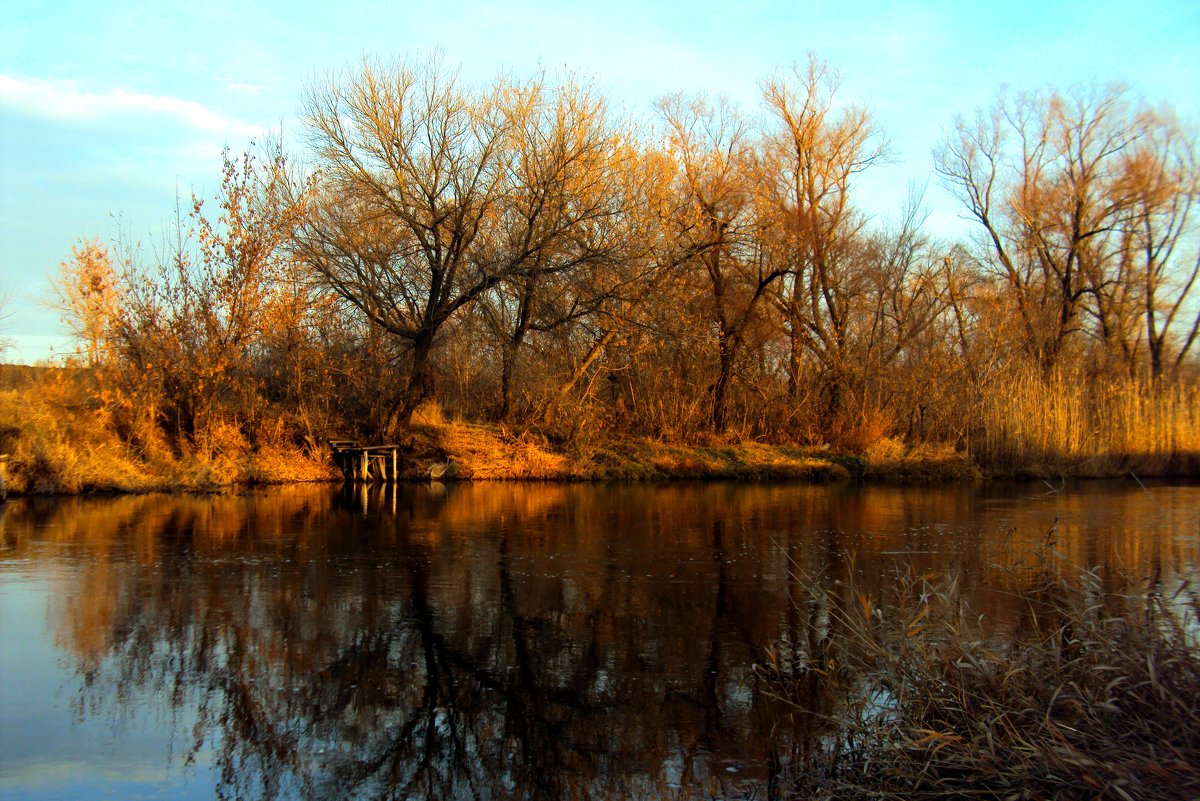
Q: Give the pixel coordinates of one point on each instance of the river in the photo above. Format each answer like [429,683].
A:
[484,641]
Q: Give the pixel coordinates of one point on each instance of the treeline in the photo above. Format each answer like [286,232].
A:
[521,253]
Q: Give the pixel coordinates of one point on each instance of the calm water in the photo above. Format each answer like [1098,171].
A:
[490,641]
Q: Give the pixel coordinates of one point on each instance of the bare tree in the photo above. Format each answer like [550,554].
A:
[412,167]
[1041,176]
[905,295]
[87,295]
[1159,259]
[178,338]
[815,152]
[715,223]
[434,196]
[565,216]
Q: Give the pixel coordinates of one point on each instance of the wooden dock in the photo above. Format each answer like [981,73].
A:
[366,463]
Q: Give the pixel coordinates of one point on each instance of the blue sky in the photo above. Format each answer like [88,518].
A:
[108,110]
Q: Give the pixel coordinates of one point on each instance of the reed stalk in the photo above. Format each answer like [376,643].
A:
[1092,695]
[1061,423]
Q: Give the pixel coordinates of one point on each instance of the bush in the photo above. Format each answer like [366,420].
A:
[60,441]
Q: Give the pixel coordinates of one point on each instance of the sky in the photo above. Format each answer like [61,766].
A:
[110,111]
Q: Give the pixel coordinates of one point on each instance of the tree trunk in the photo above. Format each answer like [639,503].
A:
[418,387]
[793,368]
[512,348]
[580,371]
[509,365]
[721,387]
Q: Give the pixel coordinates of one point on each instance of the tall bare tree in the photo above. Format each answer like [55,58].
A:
[565,218]
[815,151]
[1041,175]
[435,195]
[1159,258]
[412,168]
[715,223]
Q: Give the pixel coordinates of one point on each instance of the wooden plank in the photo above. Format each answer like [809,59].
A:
[364,463]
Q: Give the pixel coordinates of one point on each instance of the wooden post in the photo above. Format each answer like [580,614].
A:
[395,461]
[366,465]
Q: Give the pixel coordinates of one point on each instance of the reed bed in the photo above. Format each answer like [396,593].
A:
[1095,694]
[1035,424]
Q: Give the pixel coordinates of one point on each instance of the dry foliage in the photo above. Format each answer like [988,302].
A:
[518,254]
[60,440]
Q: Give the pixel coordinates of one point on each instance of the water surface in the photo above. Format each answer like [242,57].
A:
[489,641]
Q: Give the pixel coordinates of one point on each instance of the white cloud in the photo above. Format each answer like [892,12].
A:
[64,100]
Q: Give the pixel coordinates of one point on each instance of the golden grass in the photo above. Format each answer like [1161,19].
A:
[1063,424]
[61,443]
[57,449]
[891,460]
[489,452]
[743,461]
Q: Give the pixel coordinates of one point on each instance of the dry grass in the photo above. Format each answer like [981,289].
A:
[60,442]
[58,447]
[63,441]
[491,452]
[1094,695]
[487,452]
[1032,424]
[891,460]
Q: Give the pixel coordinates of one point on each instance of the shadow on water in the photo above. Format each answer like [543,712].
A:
[512,641]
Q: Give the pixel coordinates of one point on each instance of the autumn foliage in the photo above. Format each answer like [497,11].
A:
[522,255]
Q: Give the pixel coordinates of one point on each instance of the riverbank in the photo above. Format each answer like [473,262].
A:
[479,451]
[55,450]
[60,441]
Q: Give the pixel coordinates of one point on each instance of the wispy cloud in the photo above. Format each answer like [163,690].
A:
[65,100]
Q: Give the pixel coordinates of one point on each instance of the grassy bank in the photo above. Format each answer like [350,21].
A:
[58,443]
[62,438]
[1092,695]
[486,451]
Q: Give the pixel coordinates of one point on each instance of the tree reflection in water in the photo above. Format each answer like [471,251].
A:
[493,641]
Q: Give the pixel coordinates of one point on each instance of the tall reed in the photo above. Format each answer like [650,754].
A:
[1062,422]
[1092,695]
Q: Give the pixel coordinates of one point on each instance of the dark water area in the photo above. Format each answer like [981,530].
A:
[489,641]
